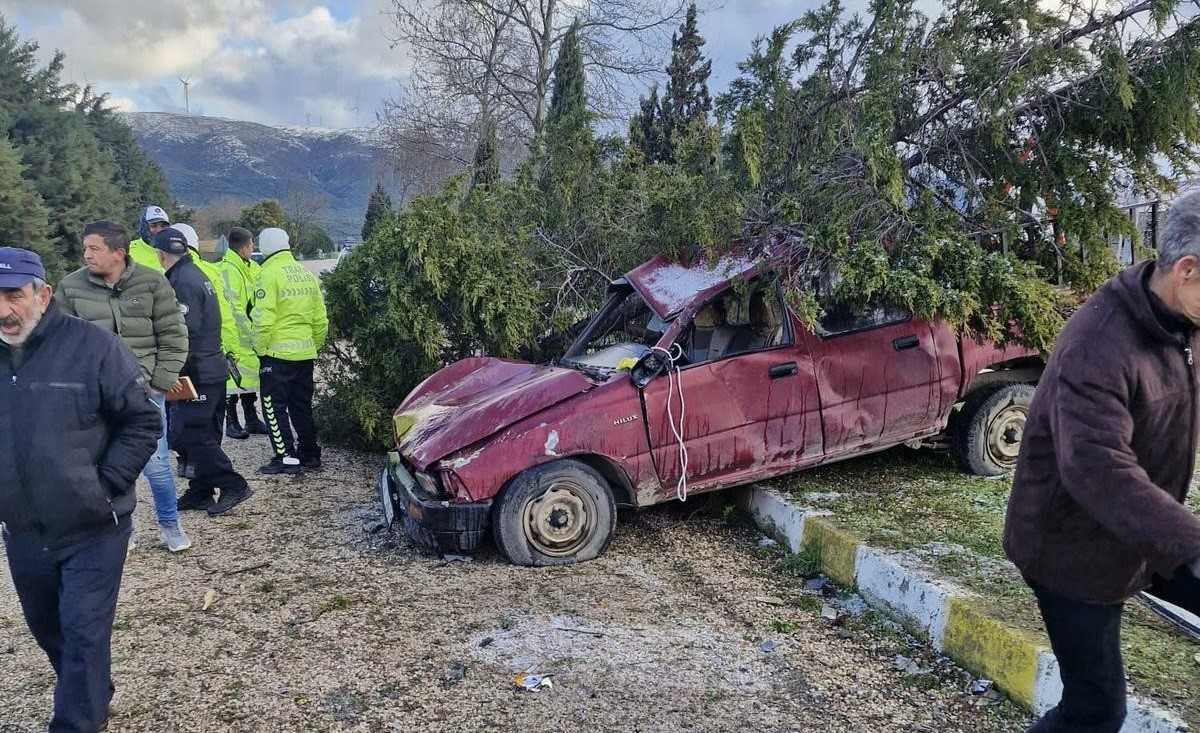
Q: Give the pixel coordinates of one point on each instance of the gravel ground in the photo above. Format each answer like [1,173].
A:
[318,620]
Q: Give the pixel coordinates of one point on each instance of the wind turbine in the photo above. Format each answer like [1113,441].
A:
[187,107]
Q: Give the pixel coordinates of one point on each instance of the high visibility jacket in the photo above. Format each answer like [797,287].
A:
[229,334]
[288,317]
[237,281]
[144,254]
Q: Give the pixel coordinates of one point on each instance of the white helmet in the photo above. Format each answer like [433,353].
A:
[193,239]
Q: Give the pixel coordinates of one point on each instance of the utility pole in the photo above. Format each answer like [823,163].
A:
[187,107]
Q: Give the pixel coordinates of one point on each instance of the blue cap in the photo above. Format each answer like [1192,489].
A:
[18,267]
[171,241]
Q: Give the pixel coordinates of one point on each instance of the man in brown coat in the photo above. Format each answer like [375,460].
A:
[1096,513]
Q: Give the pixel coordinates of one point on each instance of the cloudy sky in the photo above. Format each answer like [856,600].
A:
[279,61]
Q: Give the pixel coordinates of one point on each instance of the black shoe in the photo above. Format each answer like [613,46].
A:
[234,430]
[254,426]
[229,499]
[194,500]
[311,464]
[281,464]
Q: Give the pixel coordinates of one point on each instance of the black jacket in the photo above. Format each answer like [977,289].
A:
[206,363]
[76,427]
[1108,450]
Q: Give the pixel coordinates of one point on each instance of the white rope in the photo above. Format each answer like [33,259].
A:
[675,383]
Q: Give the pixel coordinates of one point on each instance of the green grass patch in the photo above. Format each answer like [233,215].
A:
[919,501]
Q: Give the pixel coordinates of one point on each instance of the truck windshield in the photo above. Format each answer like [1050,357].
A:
[624,328]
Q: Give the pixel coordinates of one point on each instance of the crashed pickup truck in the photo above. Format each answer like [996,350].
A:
[689,379]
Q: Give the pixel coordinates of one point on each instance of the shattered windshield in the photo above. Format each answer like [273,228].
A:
[625,328]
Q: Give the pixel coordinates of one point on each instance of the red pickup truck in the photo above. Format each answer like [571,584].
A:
[690,378]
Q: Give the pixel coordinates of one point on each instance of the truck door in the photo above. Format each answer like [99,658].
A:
[748,392]
[878,376]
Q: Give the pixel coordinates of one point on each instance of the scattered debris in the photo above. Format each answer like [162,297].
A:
[533,682]
[909,666]
[451,558]
[843,634]
[771,600]
[816,583]
[485,641]
[767,645]
[767,542]
[829,612]
[559,625]
[456,672]
[978,687]
[210,597]
[248,568]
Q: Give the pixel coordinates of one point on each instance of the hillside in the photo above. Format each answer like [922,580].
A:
[209,158]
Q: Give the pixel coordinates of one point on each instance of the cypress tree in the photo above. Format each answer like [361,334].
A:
[23,218]
[486,166]
[567,98]
[379,206]
[686,102]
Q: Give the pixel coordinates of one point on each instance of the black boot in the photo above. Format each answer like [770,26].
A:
[253,425]
[233,428]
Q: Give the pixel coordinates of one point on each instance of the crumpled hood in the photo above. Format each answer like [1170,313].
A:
[473,398]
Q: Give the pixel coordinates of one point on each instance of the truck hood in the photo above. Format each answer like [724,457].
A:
[473,398]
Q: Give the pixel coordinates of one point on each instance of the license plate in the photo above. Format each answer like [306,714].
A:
[385,490]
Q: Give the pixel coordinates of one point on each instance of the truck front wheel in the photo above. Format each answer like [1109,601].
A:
[554,514]
[987,431]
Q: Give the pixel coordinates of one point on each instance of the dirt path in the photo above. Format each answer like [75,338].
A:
[320,623]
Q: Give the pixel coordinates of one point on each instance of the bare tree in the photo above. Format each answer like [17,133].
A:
[479,62]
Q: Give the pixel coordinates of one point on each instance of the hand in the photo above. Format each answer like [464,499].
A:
[231,357]
[175,386]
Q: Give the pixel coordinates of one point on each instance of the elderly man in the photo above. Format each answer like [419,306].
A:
[78,427]
[138,304]
[194,426]
[1096,513]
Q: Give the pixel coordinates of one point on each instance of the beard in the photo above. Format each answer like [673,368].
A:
[27,327]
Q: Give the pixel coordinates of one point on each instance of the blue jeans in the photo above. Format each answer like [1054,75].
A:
[158,472]
[69,599]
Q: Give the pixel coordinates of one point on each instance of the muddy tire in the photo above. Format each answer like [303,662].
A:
[987,432]
[554,514]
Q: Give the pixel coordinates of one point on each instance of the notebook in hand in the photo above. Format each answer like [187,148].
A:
[187,391]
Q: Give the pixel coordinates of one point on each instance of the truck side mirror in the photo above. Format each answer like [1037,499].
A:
[648,367]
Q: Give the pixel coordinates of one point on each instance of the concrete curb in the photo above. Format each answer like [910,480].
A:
[1019,663]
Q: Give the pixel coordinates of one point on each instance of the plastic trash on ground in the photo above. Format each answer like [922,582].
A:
[533,682]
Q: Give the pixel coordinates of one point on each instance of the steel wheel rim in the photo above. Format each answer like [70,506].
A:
[1005,432]
[560,521]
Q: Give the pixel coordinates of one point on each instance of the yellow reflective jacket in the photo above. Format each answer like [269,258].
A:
[288,318]
[237,285]
[144,254]
[229,334]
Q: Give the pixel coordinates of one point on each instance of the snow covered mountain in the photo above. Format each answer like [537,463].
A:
[210,158]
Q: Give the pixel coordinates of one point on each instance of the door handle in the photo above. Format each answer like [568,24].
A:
[784,369]
[906,342]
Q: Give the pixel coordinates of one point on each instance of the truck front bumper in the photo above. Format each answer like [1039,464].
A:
[439,524]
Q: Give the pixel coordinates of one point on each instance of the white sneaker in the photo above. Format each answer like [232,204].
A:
[176,539]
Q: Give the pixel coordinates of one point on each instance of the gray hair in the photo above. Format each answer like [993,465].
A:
[1181,235]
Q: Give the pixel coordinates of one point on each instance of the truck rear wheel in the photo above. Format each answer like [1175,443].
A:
[987,432]
[554,514]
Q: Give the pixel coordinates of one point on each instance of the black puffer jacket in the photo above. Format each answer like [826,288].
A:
[206,363]
[76,427]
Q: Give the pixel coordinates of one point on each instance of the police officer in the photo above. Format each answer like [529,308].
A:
[141,250]
[238,273]
[194,426]
[289,325]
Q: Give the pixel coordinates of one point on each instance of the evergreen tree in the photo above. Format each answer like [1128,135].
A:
[379,206]
[263,214]
[485,169]
[686,101]
[646,132]
[568,101]
[23,217]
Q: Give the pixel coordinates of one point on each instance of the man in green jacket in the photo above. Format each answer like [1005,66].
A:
[153,220]
[139,305]
[289,325]
[238,273]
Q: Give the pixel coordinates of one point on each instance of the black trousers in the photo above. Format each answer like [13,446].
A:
[194,431]
[287,395]
[69,599]
[1086,639]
